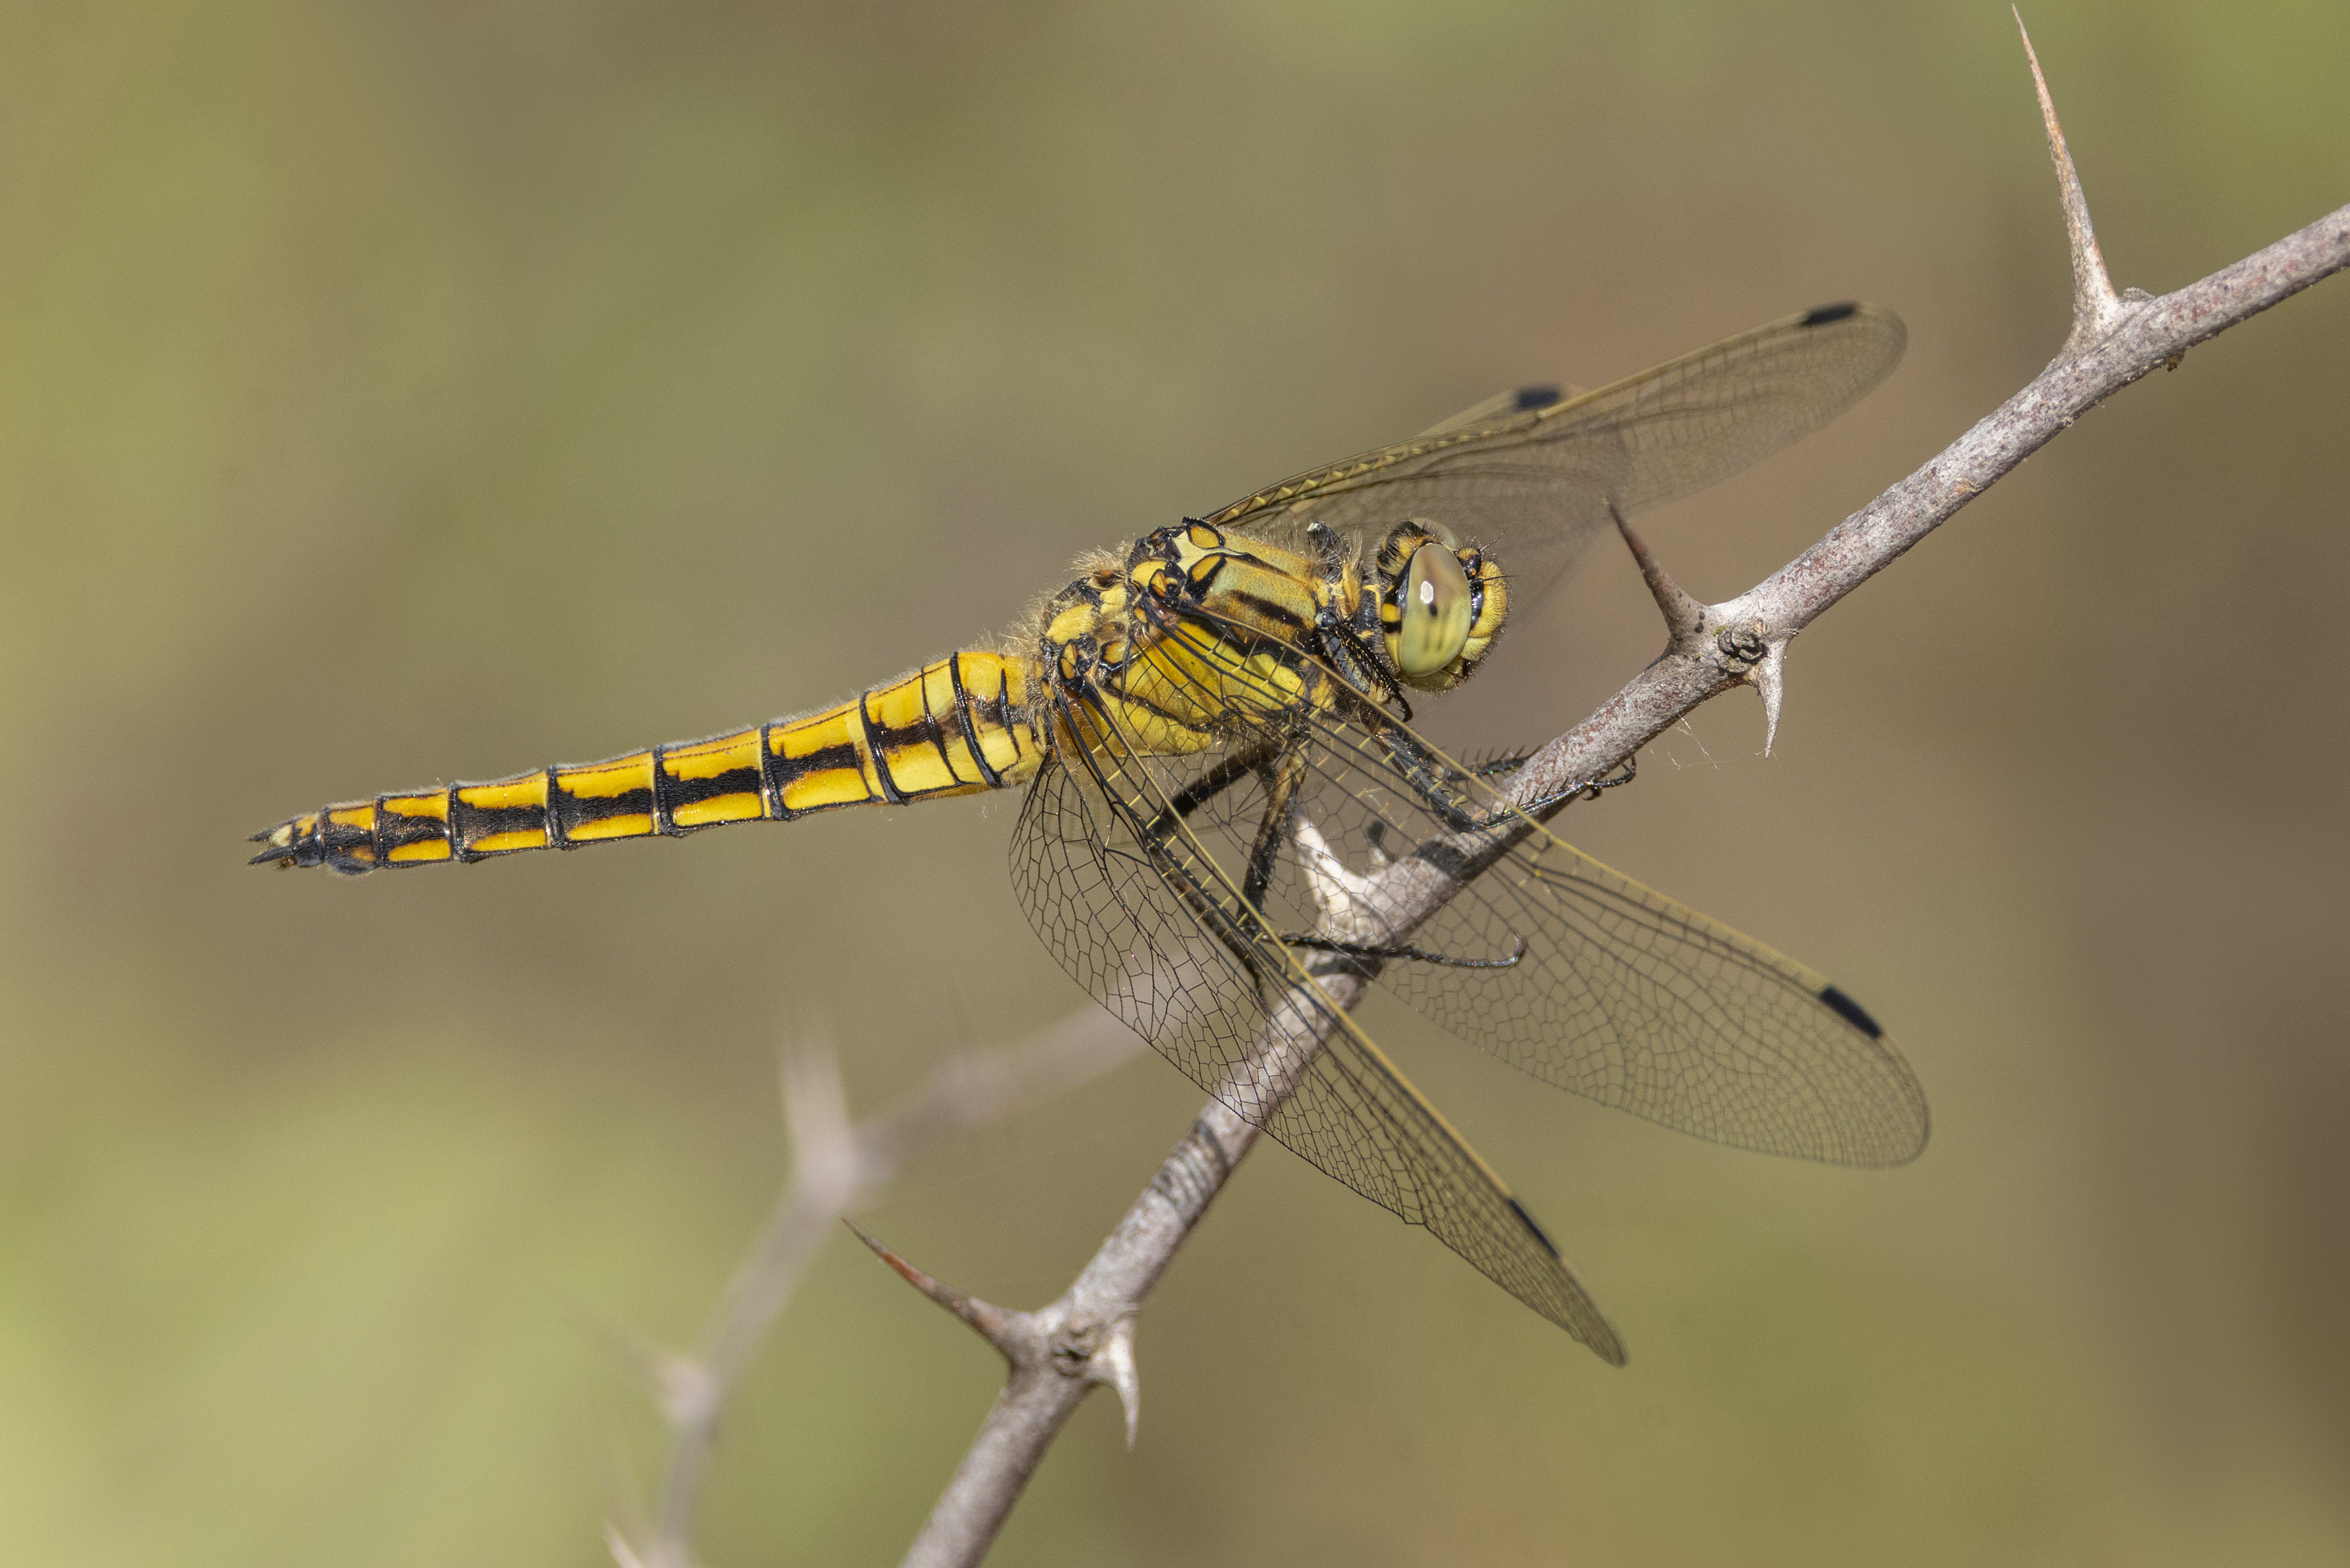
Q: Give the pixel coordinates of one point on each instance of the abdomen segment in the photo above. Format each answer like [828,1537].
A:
[956,727]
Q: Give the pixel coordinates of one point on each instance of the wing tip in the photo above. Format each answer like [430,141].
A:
[1529,398]
[1925,1130]
[1914,1119]
[1821,314]
[1583,1319]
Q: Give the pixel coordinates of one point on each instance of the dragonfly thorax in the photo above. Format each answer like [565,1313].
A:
[1422,611]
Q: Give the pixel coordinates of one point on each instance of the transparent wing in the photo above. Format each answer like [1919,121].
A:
[1147,917]
[1529,479]
[1560,966]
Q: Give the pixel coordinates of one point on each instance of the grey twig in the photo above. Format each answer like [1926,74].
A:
[1061,1352]
[1084,1338]
[837,1165]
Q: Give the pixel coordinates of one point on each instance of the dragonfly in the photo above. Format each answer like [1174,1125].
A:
[1231,816]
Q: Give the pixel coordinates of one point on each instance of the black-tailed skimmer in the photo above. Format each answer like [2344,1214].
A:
[1227,800]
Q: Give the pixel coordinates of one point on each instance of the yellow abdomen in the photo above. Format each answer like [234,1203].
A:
[961,725]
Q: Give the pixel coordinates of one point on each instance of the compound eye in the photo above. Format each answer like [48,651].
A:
[1435,601]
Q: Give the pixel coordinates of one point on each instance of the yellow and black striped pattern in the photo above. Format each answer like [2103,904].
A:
[965,723]
[1122,663]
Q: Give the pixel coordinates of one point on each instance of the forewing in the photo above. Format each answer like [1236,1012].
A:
[1568,969]
[1153,924]
[1528,484]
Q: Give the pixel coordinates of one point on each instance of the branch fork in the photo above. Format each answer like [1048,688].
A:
[838,1164]
[1059,1339]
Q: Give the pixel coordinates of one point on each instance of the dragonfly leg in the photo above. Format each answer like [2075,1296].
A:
[1350,905]
[1282,775]
[1281,778]
[1240,765]
[1154,835]
[1490,768]
[1384,950]
[1358,672]
[1434,779]
[1494,767]
[1281,771]
[1589,789]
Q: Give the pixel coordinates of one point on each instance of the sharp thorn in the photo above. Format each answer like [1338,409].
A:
[2095,306]
[816,1114]
[1007,1331]
[1684,616]
[1114,1365]
[1770,679]
[623,1554]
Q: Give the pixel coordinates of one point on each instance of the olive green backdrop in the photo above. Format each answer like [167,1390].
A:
[398,392]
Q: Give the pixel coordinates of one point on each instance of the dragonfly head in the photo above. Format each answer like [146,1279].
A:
[1441,605]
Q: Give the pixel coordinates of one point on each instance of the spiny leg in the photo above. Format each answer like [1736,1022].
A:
[1281,770]
[1358,672]
[1430,778]
[1426,773]
[1384,950]
[1282,778]
[1162,844]
[1236,767]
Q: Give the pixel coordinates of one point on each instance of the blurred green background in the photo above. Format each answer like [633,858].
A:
[398,392]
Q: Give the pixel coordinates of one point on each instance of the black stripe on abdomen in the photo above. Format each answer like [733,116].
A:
[478,830]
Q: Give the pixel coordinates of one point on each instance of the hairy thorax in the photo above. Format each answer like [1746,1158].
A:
[1193,631]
